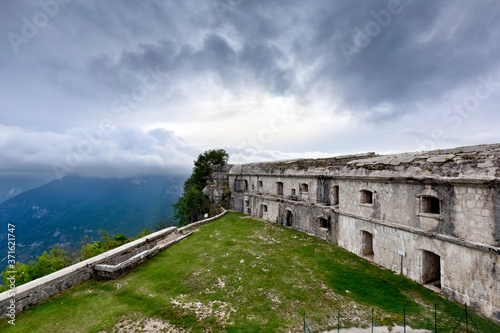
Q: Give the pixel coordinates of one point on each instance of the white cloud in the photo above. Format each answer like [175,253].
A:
[115,152]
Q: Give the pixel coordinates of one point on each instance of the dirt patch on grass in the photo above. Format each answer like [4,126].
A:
[145,325]
[221,311]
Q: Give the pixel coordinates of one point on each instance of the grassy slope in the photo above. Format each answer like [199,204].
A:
[238,275]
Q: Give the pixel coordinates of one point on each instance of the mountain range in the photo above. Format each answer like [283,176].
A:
[67,211]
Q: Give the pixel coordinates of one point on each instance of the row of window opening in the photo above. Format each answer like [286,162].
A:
[428,204]
[304,188]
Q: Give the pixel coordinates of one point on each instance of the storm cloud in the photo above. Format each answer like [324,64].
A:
[123,88]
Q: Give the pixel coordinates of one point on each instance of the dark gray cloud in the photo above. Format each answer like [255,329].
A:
[360,75]
[424,52]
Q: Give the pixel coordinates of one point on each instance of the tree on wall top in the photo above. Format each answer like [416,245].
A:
[193,204]
[203,167]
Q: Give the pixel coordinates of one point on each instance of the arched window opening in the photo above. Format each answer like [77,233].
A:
[367,243]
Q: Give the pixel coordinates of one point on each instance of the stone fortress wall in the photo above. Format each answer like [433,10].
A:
[431,216]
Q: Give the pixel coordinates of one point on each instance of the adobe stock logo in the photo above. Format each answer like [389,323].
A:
[30,27]
[95,137]
[221,7]
[362,37]
[458,112]
[277,123]
[471,102]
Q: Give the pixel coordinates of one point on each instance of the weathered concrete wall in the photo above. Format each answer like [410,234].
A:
[466,210]
[117,266]
[432,216]
[304,217]
[269,186]
[466,274]
[473,213]
[217,189]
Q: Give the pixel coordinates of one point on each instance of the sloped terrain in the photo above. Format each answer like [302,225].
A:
[237,274]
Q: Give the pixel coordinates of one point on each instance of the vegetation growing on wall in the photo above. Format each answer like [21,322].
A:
[193,204]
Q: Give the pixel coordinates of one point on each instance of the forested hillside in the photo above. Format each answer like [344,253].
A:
[69,211]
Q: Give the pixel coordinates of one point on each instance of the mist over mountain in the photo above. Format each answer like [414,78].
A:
[63,212]
[12,185]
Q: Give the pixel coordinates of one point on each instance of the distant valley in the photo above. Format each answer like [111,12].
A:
[67,211]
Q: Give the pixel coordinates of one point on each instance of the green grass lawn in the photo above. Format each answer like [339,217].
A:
[237,274]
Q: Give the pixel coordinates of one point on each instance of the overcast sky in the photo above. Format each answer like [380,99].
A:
[124,88]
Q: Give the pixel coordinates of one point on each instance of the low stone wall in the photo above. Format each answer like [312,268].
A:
[142,254]
[201,222]
[110,264]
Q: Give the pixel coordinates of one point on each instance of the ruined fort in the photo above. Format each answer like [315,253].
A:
[432,216]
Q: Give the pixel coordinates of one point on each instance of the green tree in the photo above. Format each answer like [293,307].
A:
[193,204]
[191,207]
[145,232]
[58,258]
[24,273]
[119,240]
[106,243]
[45,264]
[162,224]
[203,167]
[50,262]
[92,250]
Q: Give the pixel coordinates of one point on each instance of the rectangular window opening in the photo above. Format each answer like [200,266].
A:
[335,195]
[430,205]
[279,188]
[323,223]
[431,269]
[366,197]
